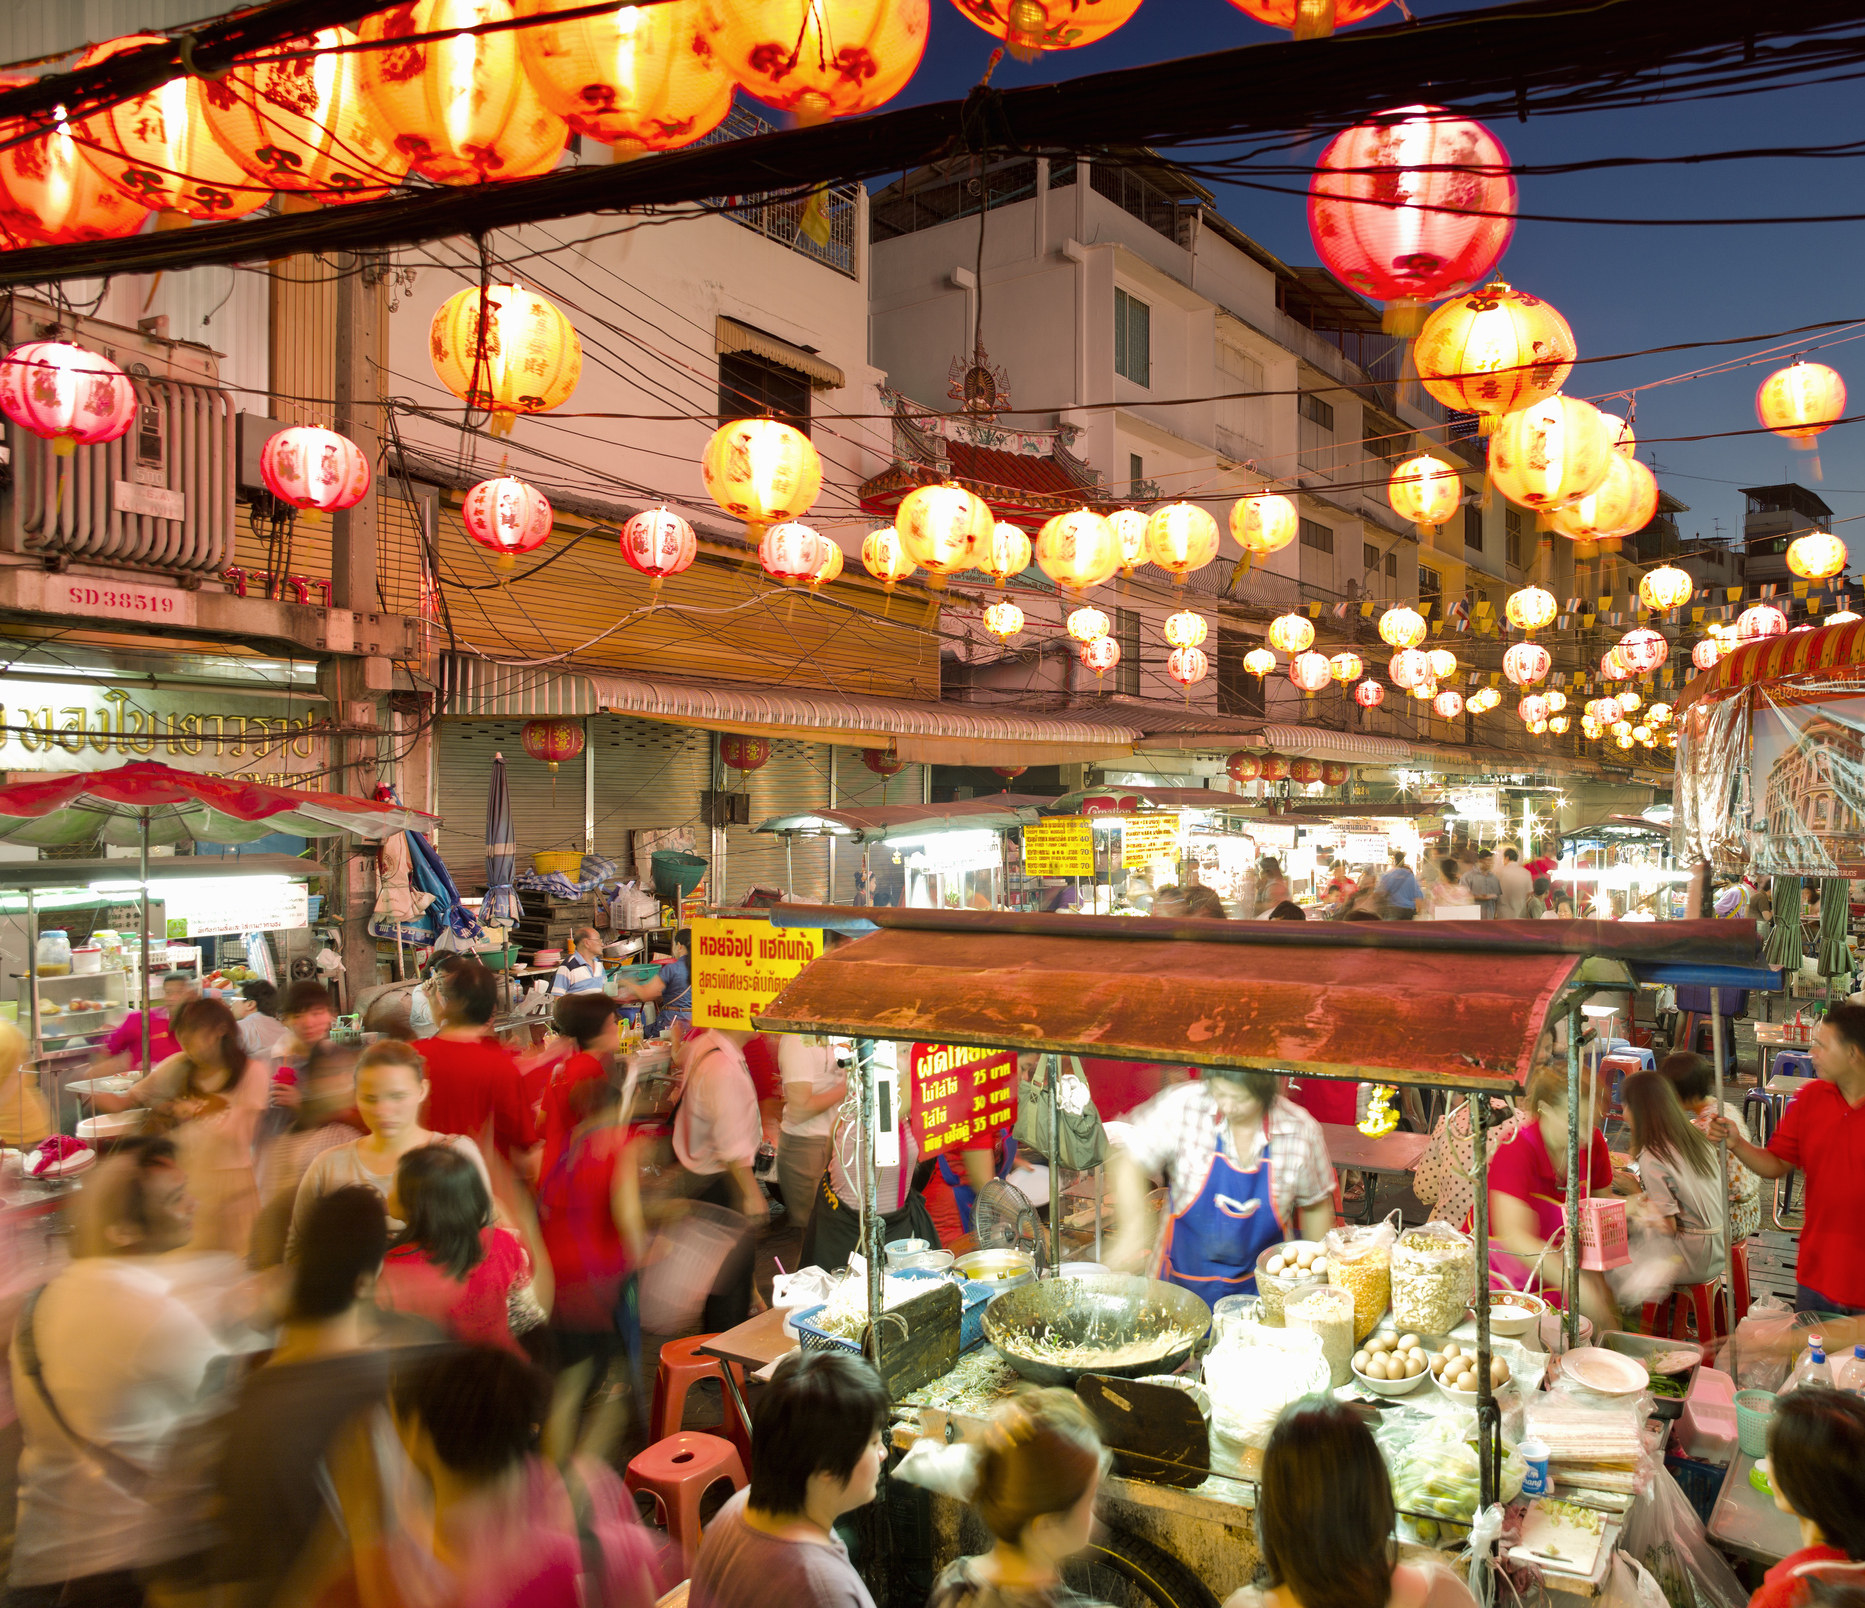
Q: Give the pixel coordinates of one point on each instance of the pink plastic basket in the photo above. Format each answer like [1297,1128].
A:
[1603,1240]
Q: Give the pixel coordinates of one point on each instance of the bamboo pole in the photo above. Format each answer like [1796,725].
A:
[1570,1266]
[1722,1157]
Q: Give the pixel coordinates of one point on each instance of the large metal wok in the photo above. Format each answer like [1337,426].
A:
[1110,1314]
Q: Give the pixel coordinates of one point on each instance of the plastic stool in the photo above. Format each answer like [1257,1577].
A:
[1740,1262]
[1710,1318]
[681,1368]
[678,1472]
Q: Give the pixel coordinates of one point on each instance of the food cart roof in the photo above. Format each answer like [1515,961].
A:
[98,884]
[1000,812]
[1159,798]
[1439,1004]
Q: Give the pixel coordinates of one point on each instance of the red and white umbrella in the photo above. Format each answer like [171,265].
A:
[185,807]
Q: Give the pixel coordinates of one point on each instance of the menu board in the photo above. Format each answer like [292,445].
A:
[739,967]
[960,1095]
[1362,848]
[225,907]
[1145,838]
[1063,847]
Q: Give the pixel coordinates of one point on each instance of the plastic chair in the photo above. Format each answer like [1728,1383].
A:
[678,1472]
[681,1368]
[1791,1064]
[1673,1317]
[1616,1069]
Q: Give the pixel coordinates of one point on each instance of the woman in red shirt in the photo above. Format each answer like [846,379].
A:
[1816,1462]
[452,1264]
[1528,1195]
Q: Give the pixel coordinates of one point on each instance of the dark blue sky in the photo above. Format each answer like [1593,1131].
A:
[1622,288]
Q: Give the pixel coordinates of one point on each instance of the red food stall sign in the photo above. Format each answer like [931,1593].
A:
[960,1095]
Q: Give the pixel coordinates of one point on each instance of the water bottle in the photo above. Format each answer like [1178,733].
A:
[1849,1372]
[1812,1369]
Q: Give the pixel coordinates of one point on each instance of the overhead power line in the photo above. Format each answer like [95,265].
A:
[1537,56]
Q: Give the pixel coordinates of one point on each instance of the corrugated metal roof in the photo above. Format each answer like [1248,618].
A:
[998,813]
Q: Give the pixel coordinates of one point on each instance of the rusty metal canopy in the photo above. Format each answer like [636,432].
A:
[995,812]
[1449,1015]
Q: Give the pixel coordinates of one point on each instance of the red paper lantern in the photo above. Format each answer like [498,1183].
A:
[1763,620]
[1308,19]
[312,468]
[1643,650]
[1305,771]
[658,544]
[1526,663]
[507,516]
[745,753]
[1009,772]
[1100,655]
[1705,654]
[1275,768]
[1334,773]
[552,742]
[1187,666]
[882,761]
[66,395]
[1369,694]
[1310,671]
[1412,207]
[1242,767]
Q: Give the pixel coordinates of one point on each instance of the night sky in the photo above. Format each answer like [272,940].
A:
[1622,288]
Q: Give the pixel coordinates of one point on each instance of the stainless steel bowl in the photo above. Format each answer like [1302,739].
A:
[1107,1313]
[1007,1270]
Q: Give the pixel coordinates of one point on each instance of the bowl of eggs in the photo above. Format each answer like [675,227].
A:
[1286,1272]
[1392,1364]
[1455,1369]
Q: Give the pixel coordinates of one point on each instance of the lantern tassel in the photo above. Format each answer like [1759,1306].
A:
[502,422]
[1404,317]
[1314,19]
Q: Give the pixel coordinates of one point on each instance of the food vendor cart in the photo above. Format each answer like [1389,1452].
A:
[1457,1006]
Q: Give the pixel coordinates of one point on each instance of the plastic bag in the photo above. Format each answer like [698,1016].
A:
[1433,1278]
[1360,1262]
[1435,1470]
[1629,1586]
[1662,1531]
[1766,1341]
[1251,1384]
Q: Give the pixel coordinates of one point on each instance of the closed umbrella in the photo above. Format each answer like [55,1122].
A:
[1835,912]
[1784,939]
[501,906]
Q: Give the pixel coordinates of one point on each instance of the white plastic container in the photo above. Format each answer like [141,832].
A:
[1706,1427]
[87,960]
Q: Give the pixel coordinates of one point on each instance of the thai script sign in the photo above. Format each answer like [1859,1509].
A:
[740,966]
[1063,847]
[960,1095]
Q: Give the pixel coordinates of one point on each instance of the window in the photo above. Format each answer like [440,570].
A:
[750,385]
[1392,565]
[1136,472]
[1430,583]
[1473,527]
[1133,338]
[1238,692]
[1512,530]
[1369,557]
[1316,535]
[1317,411]
[1127,633]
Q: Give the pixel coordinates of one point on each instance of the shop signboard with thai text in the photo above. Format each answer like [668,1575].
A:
[740,966]
[220,907]
[1363,848]
[1146,838]
[255,736]
[961,1096]
[1063,847]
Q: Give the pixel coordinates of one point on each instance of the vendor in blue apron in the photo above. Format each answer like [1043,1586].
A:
[1244,1169]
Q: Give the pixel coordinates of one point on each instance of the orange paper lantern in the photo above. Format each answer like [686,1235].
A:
[67,395]
[1181,537]
[638,78]
[819,58]
[1621,505]
[942,528]
[1818,556]
[830,568]
[1482,700]
[761,471]
[1003,553]
[1185,629]
[1414,206]
[1425,490]
[506,350]
[507,516]
[1530,608]
[658,544]
[1402,628]
[1345,667]
[1264,523]
[1129,528]
[1292,633]
[1800,401]
[1259,662]
[1003,620]
[1077,550]
[1029,27]
[1087,624]
[1443,663]
[1494,351]
[312,468]
[49,194]
[884,556]
[1665,588]
[302,122]
[1551,453]
[1309,19]
[462,107]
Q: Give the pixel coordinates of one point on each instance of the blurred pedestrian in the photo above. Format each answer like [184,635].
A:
[588,1021]
[814,1088]
[324,1119]
[473,1083]
[256,1010]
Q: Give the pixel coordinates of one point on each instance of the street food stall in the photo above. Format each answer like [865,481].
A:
[1454,1006]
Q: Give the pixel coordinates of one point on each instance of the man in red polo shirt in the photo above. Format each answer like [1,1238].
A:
[1823,1135]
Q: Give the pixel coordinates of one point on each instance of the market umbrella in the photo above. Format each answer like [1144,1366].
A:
[1784,937]
[1835,914]
[501,906]
[145,803]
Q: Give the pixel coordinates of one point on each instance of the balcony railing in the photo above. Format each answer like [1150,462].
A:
[823,226]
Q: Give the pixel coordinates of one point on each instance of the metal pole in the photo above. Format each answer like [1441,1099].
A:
[790,869]
[873,1234]
[1722,1157]
[1570,1276]
[1488,1415]
[143,860]
[32,996]
[1052,1066]
[832,789]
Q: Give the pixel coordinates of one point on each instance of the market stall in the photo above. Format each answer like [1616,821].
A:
[1458,1006]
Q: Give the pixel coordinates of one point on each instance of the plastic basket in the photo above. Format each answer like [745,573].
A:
[676,874]
[1603,1239]
[1700,1482]
[973,1298]
[568,861]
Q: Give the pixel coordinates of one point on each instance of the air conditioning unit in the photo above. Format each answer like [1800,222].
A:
[158,498]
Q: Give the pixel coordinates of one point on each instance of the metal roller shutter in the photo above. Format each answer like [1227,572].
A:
[649,776]
[795,779]
[858,788]
[465,773]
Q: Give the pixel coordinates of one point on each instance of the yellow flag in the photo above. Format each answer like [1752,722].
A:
[814,224]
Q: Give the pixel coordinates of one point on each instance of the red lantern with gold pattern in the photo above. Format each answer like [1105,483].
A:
[1242,767]
[552,743]
[1334,773]
[1009,772]
[1305,771]
[883,761]
[1275,768]
[744,753]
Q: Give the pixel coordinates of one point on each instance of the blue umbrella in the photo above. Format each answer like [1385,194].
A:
[501,906]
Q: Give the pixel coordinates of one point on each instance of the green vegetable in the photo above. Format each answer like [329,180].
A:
[1664,1385]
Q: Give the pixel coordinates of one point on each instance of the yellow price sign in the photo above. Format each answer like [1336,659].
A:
[739,967]
[1063,847]
[1146,838]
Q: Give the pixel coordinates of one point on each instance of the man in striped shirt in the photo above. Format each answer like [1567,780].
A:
[582,970]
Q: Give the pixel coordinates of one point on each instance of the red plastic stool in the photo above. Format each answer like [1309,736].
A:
[678,1472]
[1671,1316]
[681,1368]
[1740,1263]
